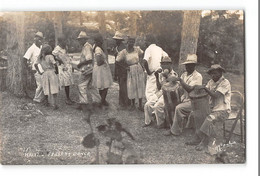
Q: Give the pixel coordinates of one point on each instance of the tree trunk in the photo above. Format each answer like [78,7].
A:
[102,29]
[57,26]
[189,35]
[16,75]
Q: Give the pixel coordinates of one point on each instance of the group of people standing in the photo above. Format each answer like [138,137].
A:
[52,69]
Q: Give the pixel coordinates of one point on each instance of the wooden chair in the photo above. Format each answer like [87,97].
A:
[237,106]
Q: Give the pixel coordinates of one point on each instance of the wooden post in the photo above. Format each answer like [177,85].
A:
[189,35]
[16,77]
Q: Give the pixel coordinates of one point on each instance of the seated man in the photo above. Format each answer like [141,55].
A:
[219,90]
[155,105]
[188,80]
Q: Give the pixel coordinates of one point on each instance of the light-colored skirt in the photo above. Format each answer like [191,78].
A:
[50,82]
[65,77]
[135,82]
[102,77]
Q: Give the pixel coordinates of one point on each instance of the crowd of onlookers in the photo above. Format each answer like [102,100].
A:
[53,69]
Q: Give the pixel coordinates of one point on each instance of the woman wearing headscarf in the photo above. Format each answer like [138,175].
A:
[102,77]
[135,75]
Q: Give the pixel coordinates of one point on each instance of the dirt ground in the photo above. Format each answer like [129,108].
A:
[44,136]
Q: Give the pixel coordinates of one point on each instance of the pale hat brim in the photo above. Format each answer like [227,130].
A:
[39,34]
[216,68]
[83,37]
[118,38]
[189,62]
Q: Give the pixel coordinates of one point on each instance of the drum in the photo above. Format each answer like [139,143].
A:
[172,97]
[200,106]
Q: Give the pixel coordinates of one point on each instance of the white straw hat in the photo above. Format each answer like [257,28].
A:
[191,59]
[118,36]
[39,34]
[82,34]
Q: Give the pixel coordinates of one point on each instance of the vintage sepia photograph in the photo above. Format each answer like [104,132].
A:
[122,87]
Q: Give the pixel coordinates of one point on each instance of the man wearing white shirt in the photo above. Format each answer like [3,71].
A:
[152,62]
[188,80]
[31,56]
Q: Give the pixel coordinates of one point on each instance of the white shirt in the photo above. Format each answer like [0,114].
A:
[193,79]
[223,86]
[153,55]
[32,54]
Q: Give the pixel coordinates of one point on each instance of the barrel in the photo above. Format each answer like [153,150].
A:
[200,106]
[172,98]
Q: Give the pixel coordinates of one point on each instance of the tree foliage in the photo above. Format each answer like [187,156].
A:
[221,40]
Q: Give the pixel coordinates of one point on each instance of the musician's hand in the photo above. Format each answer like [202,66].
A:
[149,73]
[178,79]
[156,74]
[159,70]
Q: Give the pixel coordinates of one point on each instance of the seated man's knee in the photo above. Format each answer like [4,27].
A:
[178,108]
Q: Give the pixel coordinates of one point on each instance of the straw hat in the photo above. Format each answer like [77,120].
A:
[82,34]
[118,36]
[191,59]
[216,67]
[39,34]
[166,59]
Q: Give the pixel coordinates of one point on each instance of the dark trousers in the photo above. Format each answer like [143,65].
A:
[123,98]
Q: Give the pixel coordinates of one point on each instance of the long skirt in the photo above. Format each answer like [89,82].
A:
[135,82]
[102,77]
[50,82]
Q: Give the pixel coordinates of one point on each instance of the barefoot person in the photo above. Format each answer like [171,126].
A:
[135,75]
[31,56]
[65,68]
[219,89]
[102,77]
[50,82]
[188,80]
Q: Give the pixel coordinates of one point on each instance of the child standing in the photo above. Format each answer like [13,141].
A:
[50,81]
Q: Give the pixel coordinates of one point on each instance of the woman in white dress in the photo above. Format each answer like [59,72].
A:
[135,73]
[101,76]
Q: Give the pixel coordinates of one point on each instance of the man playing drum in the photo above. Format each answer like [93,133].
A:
[219,89]
[156,105]
[188,80]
